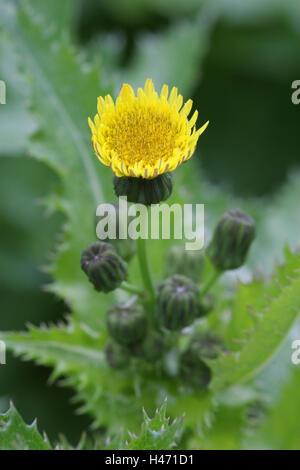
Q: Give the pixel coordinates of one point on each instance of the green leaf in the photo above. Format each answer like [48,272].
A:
[279,222]
[16,124]
[16,435]
[157,433]
[171,57]
[76,353]
[220,435]
[280,429]
[64,92]
[272,314]
[64,444]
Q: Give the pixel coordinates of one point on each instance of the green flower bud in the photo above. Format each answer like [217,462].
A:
[116,356]
[103,266]
[125,247]
[151,348]
[144,191]
[231,240]
[127,325]
[193,369]
[177,302]
[206,345]
[206,305]
[181,261]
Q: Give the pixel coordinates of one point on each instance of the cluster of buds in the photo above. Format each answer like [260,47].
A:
[136,334]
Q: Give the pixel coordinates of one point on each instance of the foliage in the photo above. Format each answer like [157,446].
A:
[157,433]
[254,318]
[16,435]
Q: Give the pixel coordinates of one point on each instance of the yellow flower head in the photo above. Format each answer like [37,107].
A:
[144,135]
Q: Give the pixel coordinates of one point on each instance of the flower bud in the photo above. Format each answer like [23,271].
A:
[177,302]
[126,247]
[231,240]
[151,348]
[127,325]
[206,345]
[181,261]
[144,191]
[193,369]
[116,356]
[103,266]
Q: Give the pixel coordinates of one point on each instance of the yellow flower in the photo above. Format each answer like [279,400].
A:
[144,135]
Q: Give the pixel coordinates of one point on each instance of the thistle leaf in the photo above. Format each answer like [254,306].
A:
[16,435]
[64,90]
[272,434]
[157,433]
[75,352]
[274,307]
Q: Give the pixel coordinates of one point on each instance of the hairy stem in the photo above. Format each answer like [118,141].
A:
[214,276]
[145,269]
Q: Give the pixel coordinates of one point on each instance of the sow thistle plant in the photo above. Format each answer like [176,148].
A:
[145,328]
[143,139]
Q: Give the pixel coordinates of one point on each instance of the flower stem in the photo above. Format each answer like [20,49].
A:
[145,269]
[126,286]
[214,276]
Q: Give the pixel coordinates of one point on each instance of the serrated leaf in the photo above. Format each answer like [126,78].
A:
[272,321]
[16,124]
[64,94]
[254,297]
[281,427]
[16,435]
[76,354]
[157,433]
[64,444]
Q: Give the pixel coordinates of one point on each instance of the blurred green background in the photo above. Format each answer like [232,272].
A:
[236,59]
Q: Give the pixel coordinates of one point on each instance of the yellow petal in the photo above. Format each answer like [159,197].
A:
[187,108]
[149,87]
[193,119]
[92,126]
[164,92]
[126,92]
[173,95]
[202,129]
[109,100]
[100,105]
[179,102]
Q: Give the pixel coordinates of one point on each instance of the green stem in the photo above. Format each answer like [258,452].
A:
[145,269]
[131,288]
[215,274]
